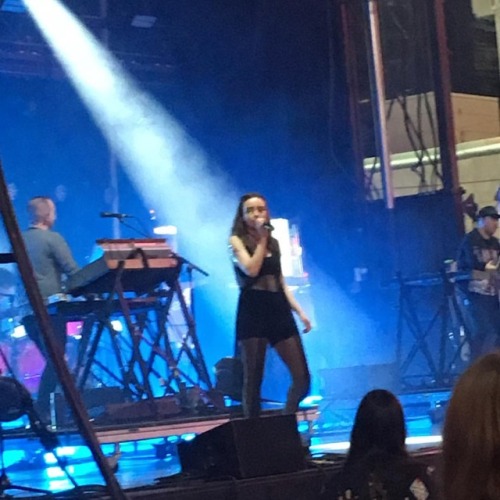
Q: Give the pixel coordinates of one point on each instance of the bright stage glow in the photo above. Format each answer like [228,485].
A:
[165,230]
[57,472]
[343,446]
[424,440]
[163,160]
[75,452]
[340,447]
[117,325]
[16,6]
[19,332]
[166,165]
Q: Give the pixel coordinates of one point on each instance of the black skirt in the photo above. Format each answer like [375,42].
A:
[264,314]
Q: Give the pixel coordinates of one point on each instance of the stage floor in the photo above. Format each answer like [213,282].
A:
[146,454]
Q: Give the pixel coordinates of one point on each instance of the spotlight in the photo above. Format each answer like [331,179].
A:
[19,332]
[12,6]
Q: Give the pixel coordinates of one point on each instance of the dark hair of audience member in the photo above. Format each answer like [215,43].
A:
[379,428]
[471,434]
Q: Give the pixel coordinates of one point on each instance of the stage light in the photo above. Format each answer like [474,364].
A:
[340,447]
[67,451]
[424,440]
[18,332]
[169,232]
[167,166]
[311,401]
[54,472]
[117,325]
[16,6]
[165,230]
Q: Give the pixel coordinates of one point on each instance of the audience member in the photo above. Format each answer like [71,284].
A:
[378,465]
[471,434]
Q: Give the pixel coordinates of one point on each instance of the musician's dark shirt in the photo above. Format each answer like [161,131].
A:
[474,253]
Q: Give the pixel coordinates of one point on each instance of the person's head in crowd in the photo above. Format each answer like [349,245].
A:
[471,434]
[378,464]
[379,427]
[487,220]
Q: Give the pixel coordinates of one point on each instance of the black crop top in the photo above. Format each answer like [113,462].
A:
[271,265]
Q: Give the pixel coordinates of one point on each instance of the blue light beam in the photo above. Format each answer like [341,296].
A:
[167,166]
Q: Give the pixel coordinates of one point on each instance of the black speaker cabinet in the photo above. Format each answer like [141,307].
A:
[245,448]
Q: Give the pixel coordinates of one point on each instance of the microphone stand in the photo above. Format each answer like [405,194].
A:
[190,267]
[141,231]
[211,395]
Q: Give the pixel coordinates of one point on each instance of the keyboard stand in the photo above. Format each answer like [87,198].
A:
[145,353]
[127,378]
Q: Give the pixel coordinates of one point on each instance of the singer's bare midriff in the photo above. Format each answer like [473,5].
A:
[268,282]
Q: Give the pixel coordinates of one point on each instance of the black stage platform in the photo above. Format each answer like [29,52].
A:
[141,452]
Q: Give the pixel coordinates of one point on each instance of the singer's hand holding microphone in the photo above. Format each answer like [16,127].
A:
[263,224]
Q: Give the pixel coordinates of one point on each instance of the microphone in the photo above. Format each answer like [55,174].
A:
[268,226]
[114,215]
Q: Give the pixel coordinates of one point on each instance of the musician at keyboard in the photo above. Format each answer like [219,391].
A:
[51,259]
[479,254]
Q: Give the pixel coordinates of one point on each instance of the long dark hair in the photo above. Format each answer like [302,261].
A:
[471,433]
[379,428]
[239,227]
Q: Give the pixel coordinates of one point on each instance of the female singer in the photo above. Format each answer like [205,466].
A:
[265,306]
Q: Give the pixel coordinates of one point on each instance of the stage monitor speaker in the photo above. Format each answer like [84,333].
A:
[245,448]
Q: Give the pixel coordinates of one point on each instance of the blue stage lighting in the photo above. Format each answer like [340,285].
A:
[13,6]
